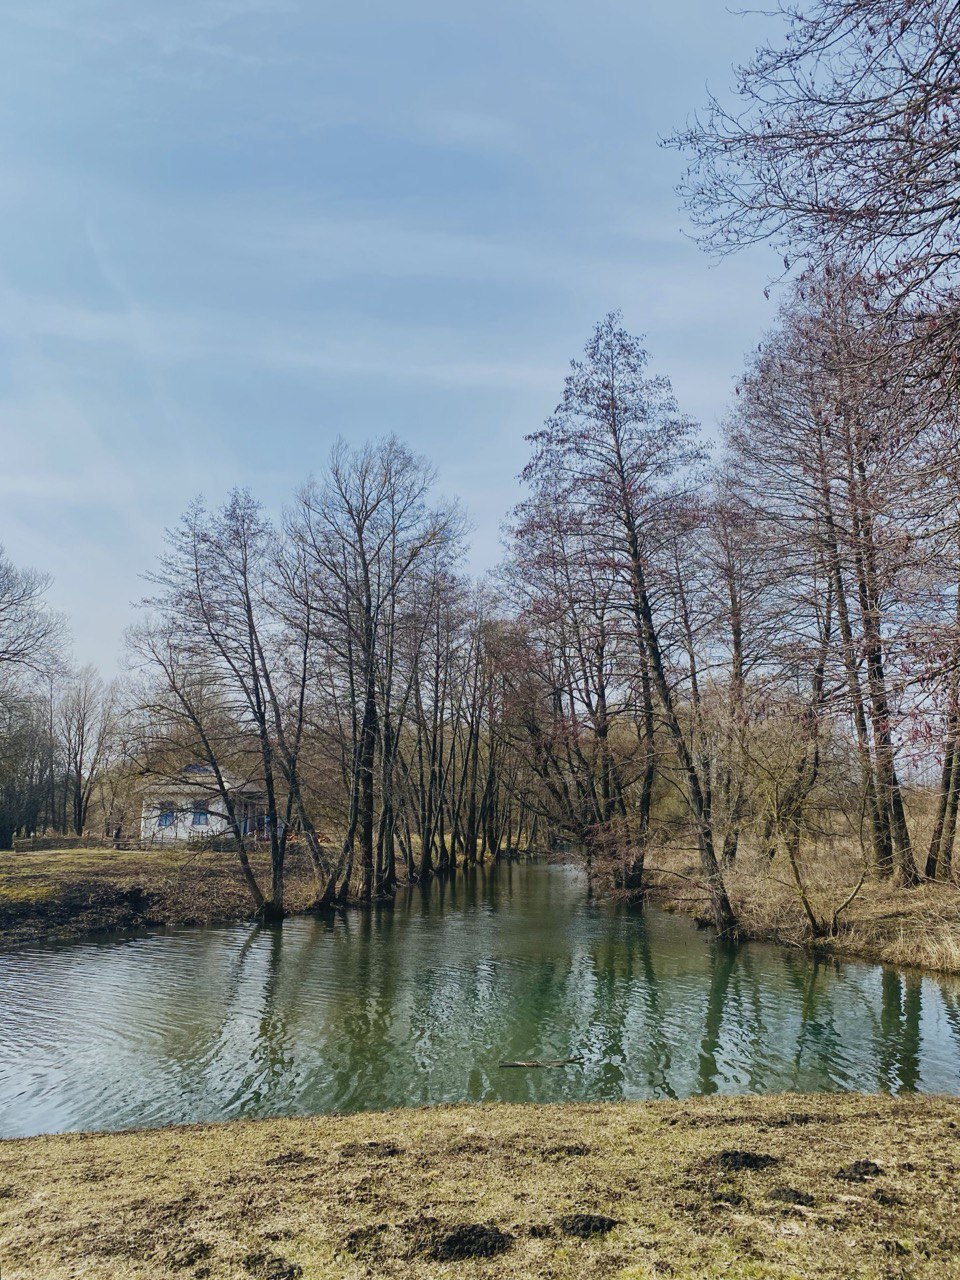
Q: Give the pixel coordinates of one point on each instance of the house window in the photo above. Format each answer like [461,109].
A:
[201,814]
[165,818]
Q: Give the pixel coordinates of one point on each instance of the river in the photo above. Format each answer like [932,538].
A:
[420,1002]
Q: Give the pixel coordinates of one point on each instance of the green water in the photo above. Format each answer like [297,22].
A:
[420,1003]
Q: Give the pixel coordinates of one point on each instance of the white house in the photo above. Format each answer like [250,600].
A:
[189,807]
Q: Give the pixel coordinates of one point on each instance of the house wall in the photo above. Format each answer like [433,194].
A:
[182,829]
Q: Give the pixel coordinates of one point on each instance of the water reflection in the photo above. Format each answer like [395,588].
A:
[420,1002]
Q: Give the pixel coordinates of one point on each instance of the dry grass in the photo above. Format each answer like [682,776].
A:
[740,1188]
[916,927]
[62,894]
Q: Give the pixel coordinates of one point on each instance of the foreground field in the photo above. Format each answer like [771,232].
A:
[778,1188]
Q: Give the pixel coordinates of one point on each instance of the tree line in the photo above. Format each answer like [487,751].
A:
[748,647]
[342,660]
[61,731]
[773,639]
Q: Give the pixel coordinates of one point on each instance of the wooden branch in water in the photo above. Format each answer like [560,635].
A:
[548,1062]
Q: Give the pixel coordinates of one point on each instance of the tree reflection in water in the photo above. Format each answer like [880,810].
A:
[419,1002]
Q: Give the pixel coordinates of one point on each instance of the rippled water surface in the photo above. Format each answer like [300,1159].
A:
[420,1003]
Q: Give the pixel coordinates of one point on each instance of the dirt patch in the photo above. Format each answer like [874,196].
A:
[859,1171]
[188,1254]
[793,1118]
[426,1236]
[467,1240]
[264,1265]
[790,1195]
[287,1159]
[367,1243]
[469,1146]
[742,1161]
[730,1198]
[369,1151]
[886,1198]
[585,1225]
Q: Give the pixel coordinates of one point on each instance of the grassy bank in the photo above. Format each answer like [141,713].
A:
[916,927]
[778,1188]
[63,894]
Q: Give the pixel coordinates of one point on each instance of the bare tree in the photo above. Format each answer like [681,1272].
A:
[236,614]
[85,720]
[585,718]
[367,531]
[825,440]
[842,144]
[25,766]
[617,449]
[30,634]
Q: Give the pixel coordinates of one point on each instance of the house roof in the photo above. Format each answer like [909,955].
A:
[201,776]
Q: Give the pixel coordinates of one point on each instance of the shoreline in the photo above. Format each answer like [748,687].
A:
[66,896]
[781,1186]
[62,896]
[915,929]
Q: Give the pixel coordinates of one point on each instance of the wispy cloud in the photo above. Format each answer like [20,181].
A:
[236,228]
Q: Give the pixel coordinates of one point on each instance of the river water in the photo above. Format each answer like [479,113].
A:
[420,1003]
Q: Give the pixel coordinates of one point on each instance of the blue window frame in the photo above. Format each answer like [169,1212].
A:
[201,814]
[166,815]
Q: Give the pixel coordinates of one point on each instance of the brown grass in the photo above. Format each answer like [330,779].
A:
[742,1188]
[63,894]
[914,927]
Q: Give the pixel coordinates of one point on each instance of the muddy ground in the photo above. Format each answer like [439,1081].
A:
[778,1188]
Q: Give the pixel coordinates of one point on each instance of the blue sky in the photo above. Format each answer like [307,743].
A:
[233,230]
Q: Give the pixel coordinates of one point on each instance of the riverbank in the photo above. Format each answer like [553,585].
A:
[785,1187]
[61,895]
[914,928]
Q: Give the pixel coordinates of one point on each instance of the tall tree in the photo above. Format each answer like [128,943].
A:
[620,455]
[86,724]
[226,653]
[367,530]
[30,633]
[824,438]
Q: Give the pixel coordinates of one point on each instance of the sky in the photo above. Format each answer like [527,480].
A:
[234,230]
